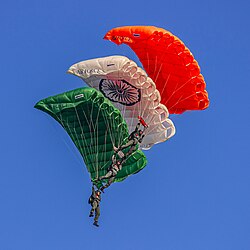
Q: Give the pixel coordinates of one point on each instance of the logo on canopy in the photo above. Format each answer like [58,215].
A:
[120,91]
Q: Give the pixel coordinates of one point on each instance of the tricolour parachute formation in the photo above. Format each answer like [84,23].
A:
[169,63]
[129,88]
[95,126]
[125,108]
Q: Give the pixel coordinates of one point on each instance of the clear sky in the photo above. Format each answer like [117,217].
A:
[193,194]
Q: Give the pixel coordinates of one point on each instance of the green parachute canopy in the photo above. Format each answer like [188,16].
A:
[95,126]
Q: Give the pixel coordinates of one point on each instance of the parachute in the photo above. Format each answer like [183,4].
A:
[169,63]
[95,126]
[130,90]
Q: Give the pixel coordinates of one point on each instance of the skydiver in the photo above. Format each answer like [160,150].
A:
[134,138]
[113,169]
[94,201]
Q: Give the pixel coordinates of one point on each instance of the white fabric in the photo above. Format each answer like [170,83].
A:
[108,73]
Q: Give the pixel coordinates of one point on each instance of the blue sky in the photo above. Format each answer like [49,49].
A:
[194,193]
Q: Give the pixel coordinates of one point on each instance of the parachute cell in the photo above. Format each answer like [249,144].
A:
[129,88]
[169,63]
[95,126]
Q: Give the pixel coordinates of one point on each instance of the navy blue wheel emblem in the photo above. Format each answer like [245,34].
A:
[120,91]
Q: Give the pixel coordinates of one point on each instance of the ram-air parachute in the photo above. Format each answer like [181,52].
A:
[169,63]
[95,126]
[129,88]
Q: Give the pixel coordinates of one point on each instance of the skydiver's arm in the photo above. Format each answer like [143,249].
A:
[137,126]
[135,131]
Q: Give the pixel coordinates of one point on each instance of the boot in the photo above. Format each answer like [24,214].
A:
[102,189]
[91,214]
[96,223]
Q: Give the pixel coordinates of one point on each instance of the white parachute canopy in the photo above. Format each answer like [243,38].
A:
[129,88]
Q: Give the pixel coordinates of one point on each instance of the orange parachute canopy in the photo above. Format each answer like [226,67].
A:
[169,63]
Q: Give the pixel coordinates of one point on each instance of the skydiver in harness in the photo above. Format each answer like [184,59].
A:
[113,169]
[94,201]
[134,138]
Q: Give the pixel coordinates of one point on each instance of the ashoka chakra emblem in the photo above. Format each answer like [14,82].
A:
[120,91]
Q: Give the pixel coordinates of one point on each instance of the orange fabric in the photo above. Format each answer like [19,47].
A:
[169,63]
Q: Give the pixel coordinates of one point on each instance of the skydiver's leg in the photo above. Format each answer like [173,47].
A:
[94,206]
[97,213]
[131,150]
[110,181]
[107,176]
[129,143]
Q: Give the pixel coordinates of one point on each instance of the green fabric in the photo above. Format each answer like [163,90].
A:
[94,125]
